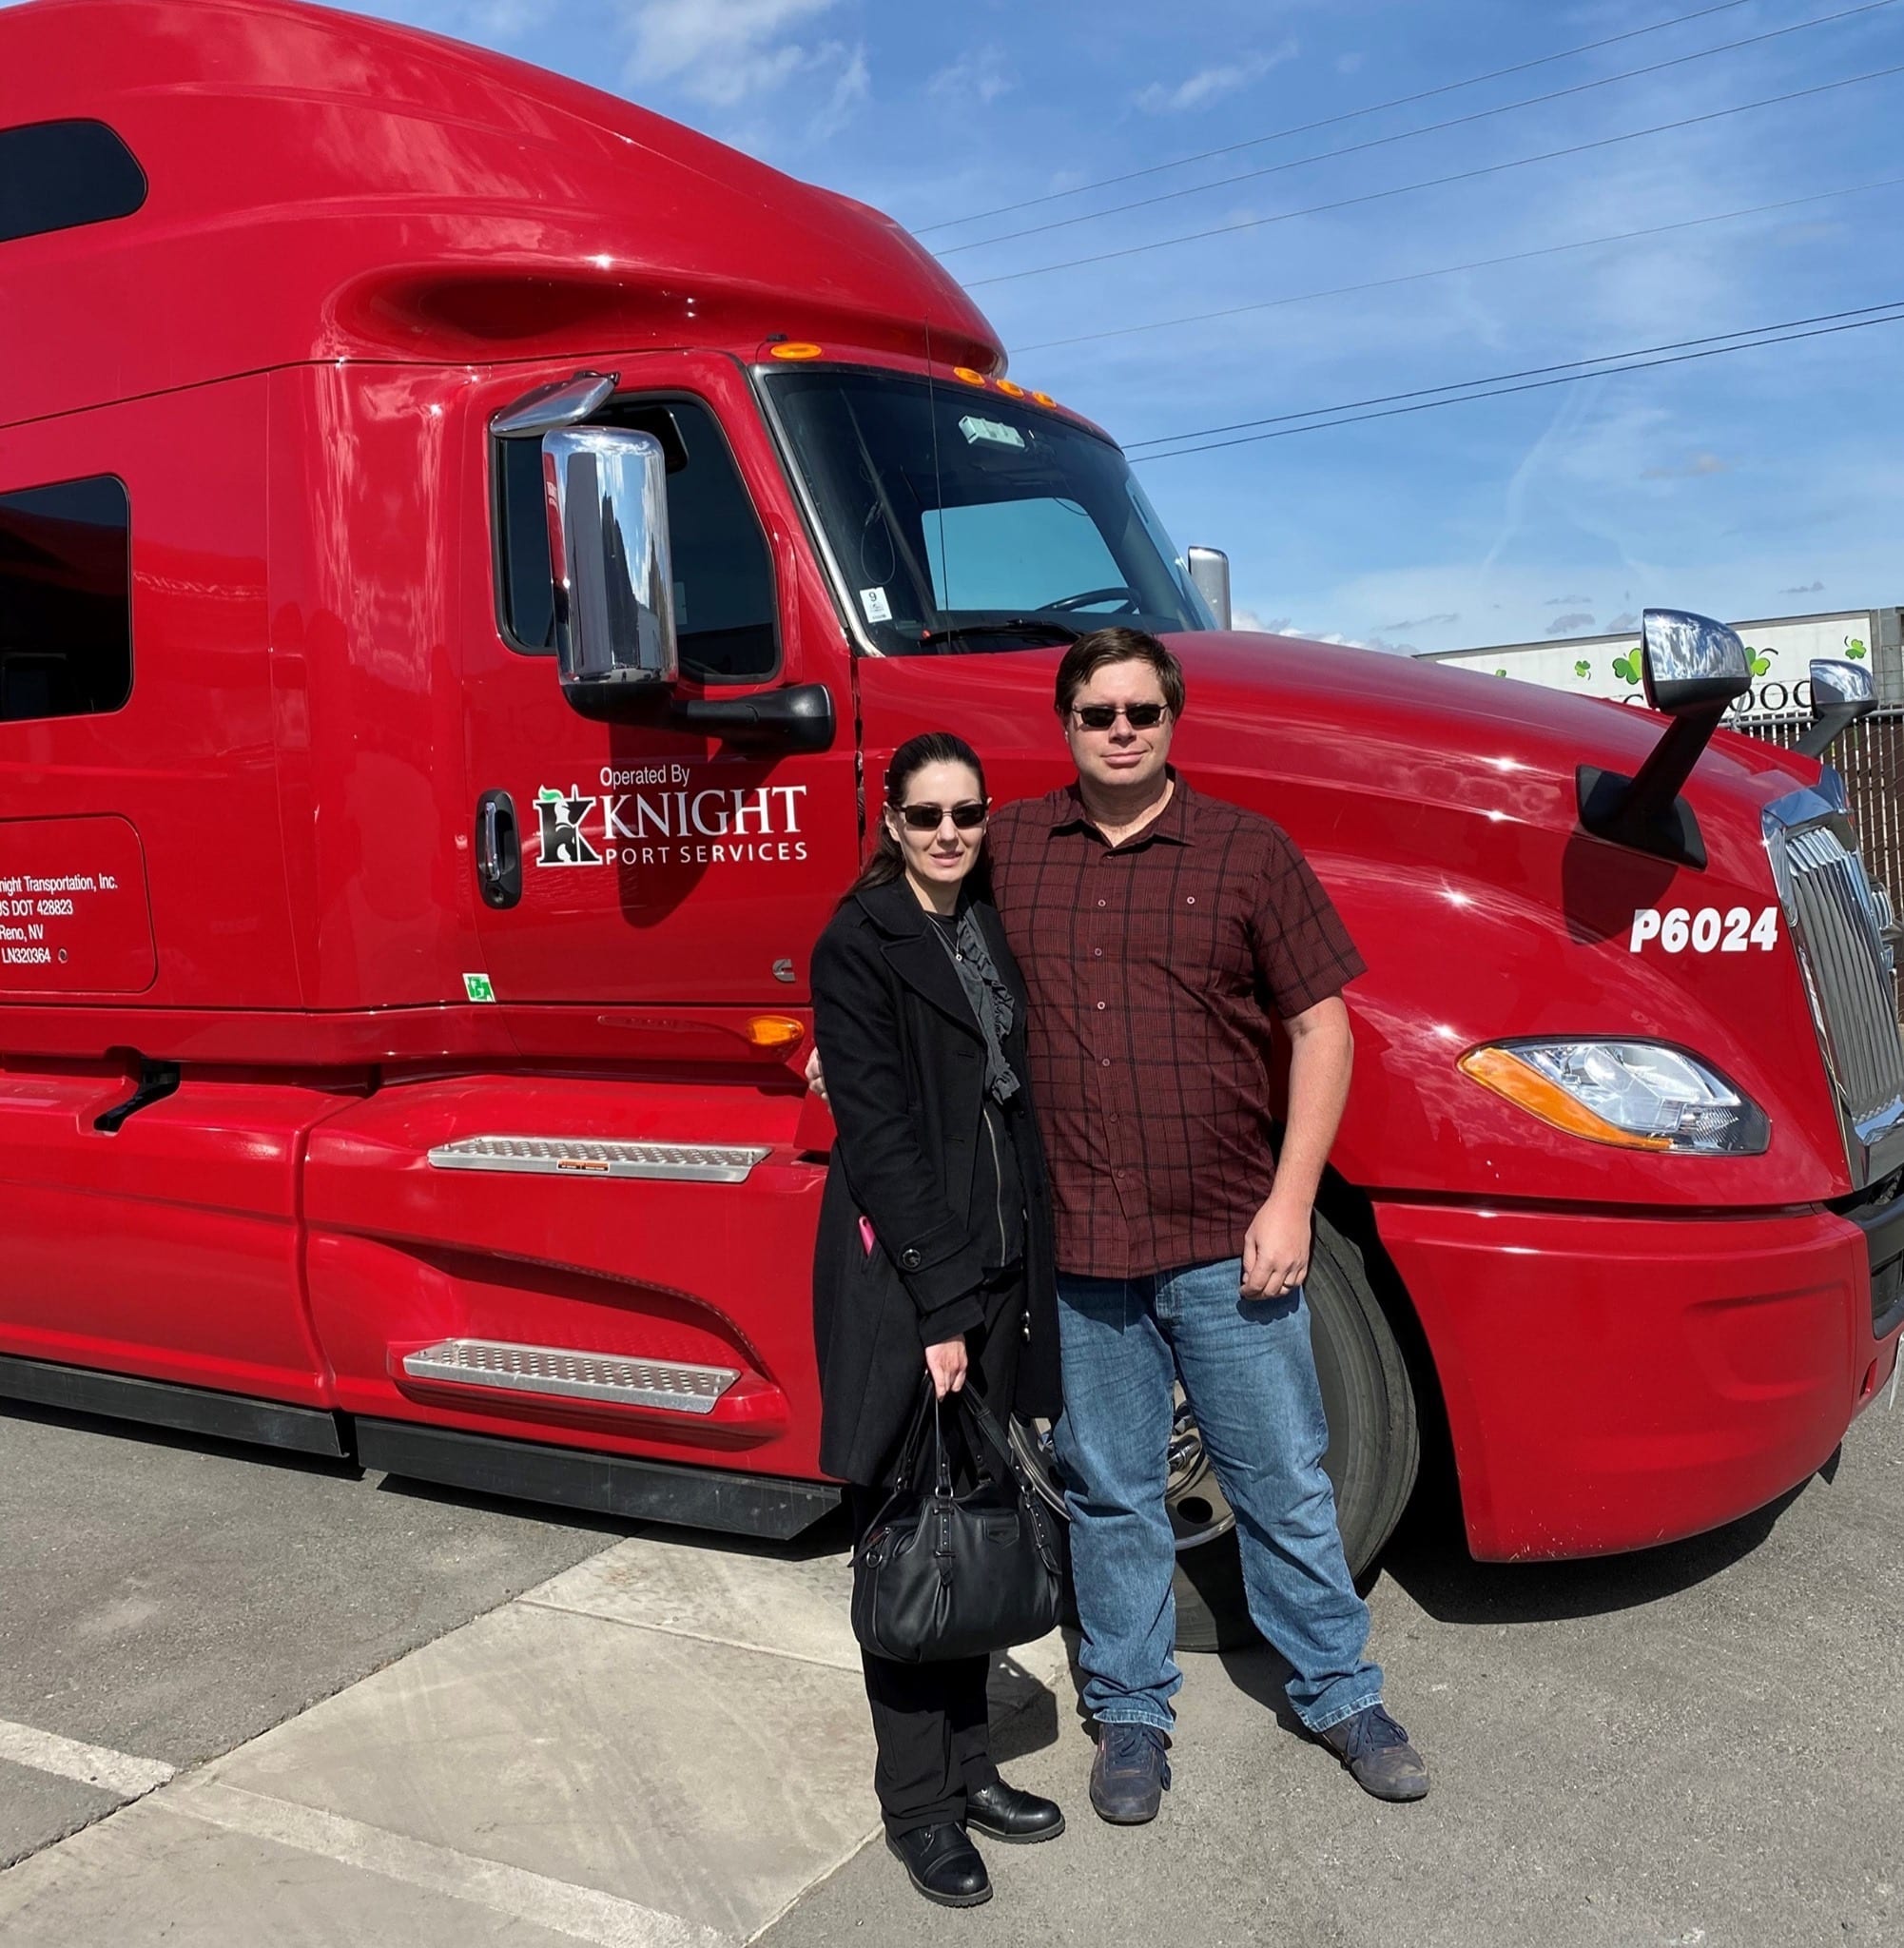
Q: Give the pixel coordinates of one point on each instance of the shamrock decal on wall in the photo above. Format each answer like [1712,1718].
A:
[1853,649]
[1628,667]
[1760,659]
[1583,669]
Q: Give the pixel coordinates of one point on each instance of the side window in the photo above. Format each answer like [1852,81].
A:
[58,175]
[66,599]
[724,596]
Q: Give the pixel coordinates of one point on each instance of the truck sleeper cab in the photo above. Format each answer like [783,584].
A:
[418,1072]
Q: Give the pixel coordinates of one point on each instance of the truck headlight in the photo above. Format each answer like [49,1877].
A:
[1639,1095]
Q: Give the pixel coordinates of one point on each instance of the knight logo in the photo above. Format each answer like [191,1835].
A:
[671,815]
[564,842]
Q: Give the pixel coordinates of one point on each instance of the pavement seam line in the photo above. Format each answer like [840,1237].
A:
[852,1853]
[122,1773]
[571,1610]
[563,1907]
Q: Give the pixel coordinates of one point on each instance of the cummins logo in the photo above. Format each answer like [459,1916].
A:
[668,817]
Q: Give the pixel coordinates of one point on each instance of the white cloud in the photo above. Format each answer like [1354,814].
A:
[1211,84]
[980,78]
[1580,623]
[723,52]
[851,85]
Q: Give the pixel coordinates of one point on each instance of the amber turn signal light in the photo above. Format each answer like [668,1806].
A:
[774,1031]
[1509,1076]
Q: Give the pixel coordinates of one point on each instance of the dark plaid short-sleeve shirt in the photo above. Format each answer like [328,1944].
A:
[1153,968]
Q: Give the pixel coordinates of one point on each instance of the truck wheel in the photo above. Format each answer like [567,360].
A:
[1374,1451]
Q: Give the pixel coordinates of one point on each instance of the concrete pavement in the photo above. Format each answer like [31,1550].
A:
[666,1743]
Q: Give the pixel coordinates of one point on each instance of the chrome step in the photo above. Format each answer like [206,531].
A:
[584,1157]
[672,1384]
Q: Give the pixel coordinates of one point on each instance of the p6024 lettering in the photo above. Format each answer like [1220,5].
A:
[1704,929]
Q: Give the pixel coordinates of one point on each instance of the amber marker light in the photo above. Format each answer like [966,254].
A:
[970,377]
[797,349]
[1524,1087]
[1044,399]
[774,1031]
[1011,388]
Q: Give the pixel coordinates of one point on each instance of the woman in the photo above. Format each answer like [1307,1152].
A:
[934,1252]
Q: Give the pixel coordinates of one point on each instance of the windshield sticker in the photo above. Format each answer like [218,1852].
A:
[1704,931]
[976,429]
[874,602]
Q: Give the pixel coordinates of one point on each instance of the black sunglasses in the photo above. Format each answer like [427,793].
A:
[1101,716]
[927,818]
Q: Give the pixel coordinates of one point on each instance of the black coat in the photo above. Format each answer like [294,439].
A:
[904,1062]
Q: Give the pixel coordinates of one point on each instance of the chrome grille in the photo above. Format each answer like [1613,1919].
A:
[664,1383]
[1837,928]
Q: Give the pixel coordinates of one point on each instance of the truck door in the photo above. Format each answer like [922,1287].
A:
[654,863]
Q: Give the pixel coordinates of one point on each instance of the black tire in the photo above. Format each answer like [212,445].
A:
[1374,1446]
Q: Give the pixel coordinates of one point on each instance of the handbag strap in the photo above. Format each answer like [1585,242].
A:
[912,1442]
[986,1422]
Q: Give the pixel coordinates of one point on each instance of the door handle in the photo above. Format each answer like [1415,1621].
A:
[498,858]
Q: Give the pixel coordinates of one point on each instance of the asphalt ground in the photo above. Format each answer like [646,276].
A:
[169,1598]
[665,1742]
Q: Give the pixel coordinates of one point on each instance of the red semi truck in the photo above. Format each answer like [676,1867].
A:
[467,549]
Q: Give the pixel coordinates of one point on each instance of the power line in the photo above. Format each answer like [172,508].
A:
[1895,316]
[1440,181]
[1414,276]
[1428,94]
[1578,88]
[1718,337]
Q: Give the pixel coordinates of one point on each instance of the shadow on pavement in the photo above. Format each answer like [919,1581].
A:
[1428,1559]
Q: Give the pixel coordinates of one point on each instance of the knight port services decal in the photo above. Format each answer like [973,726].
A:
[669,815]
[1704,930]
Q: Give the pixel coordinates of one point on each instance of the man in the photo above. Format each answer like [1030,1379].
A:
[1147,920]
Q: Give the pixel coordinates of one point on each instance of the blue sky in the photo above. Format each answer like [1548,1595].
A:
[1770,482]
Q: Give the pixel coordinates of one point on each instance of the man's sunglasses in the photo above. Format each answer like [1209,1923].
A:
[1101,716]
[927,818]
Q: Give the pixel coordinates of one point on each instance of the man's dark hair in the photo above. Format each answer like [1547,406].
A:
[1090,653]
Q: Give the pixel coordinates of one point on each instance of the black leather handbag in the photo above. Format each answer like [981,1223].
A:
[941,1575]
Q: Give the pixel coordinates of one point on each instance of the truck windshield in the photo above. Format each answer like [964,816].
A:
[964,521]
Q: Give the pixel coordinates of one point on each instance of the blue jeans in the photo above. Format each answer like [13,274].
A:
[1249,1373]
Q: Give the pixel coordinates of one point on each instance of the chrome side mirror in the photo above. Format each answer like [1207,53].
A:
[1842,694]
[607,494]
[1693,668]
[1210,575]
[1691,665]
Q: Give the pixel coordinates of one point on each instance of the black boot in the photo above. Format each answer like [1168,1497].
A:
[942,1864]
[1002,1812]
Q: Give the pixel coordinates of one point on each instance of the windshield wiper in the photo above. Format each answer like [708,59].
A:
[1016,625]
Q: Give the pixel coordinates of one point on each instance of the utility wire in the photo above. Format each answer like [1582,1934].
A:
[1428,94]
[1444,270]
[1578,88]
[1780,337]
[1718,337]
[1442,181]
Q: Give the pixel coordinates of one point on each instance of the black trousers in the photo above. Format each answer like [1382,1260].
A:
[930,1721]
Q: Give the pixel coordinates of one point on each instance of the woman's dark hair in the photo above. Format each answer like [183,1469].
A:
[888,863]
